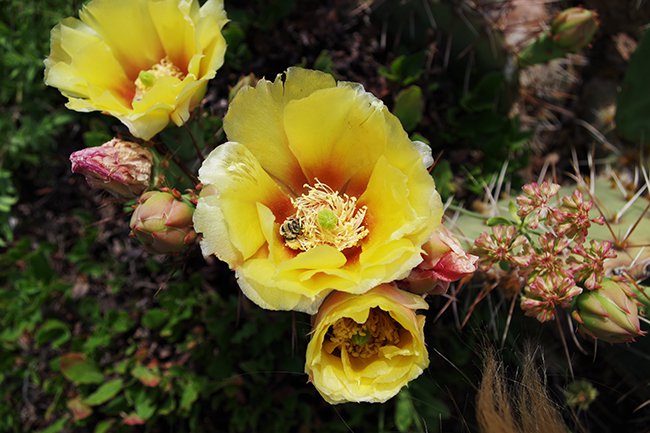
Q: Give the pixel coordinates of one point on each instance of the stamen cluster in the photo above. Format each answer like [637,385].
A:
[324,217]
[363,340]
[146,79]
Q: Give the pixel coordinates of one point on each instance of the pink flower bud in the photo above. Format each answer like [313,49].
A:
[119,167]
[163,223]
[444,261]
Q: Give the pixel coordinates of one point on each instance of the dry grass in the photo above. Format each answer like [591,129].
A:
[522,408]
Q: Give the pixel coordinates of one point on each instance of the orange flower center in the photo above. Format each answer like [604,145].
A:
[363,340]
[147,79]
[324,217]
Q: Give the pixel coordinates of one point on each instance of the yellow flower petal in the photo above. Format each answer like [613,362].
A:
[340,377]
[132,36]
[241,186]
[307,127]
[79,59]
[96,62]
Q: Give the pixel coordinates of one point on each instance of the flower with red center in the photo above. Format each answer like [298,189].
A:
[145,62]
[319,189]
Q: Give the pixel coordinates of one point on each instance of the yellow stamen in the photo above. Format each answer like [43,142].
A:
[326,218]
[363,340]
[146,79]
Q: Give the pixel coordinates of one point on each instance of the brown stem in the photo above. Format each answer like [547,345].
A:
[165,150]
[194,143]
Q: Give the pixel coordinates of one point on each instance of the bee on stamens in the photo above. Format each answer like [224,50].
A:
[291,228]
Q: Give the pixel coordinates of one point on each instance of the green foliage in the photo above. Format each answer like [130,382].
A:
[479,122]
[29,121]
[409,106]
[324,62]
[633,106]
[542,50]
[405,69]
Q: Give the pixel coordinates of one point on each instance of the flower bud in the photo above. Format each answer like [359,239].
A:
[365,348]
[608,313]
[444,261]
[580,394]
[573,28]
[163,223]
[119,167]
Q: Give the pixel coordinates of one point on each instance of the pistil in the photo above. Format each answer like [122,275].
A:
[147,78]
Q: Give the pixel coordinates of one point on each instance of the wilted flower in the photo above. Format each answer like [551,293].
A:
[162,222]
[319,189]
[545,292]
[444,261]
[535,201]
[119,167]
[146,62]
[366,347]
[573,28]
[608,313]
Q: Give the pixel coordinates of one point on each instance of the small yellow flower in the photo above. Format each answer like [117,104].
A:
[145,62]
[319,189]
[366,347]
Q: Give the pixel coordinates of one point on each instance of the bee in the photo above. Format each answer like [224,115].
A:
[291,228]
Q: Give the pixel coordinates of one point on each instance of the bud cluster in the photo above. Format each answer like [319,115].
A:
[162,220]
[545,243]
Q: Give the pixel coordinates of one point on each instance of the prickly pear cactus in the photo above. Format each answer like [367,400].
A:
[565,249]
[626,216]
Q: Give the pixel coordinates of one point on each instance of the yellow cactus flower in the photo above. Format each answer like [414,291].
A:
[145,62]
[366,347]
[319,189]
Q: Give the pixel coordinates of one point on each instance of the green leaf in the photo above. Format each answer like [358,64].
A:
[444,178]
[405,69]
[148,377]
[324,62]
[409,106]
[53,332]
[405,414]
[499,221]
[79,370]
[103,426]
[154,318]
[56,426]
[104,393]
[189,396]
[633,106]
[145,407]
